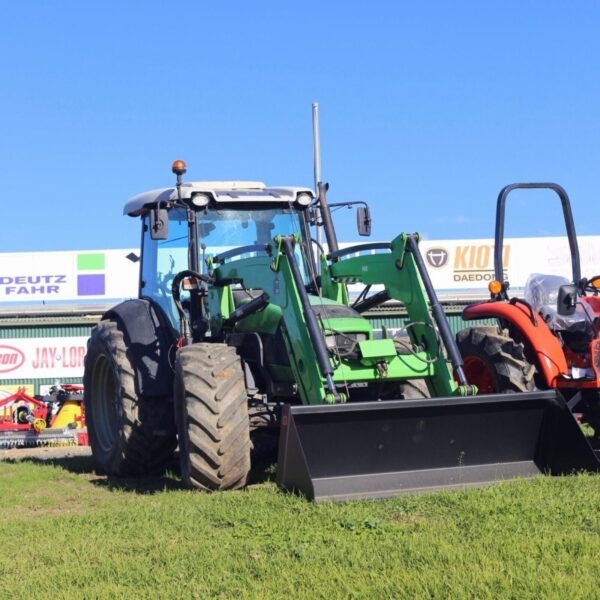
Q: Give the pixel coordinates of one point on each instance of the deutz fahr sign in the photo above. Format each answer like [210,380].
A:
[34,277]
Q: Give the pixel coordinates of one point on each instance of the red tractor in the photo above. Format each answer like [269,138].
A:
[546,339]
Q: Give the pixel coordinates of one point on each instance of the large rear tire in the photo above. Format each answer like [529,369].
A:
[211,411]
[494,362]
[129,434]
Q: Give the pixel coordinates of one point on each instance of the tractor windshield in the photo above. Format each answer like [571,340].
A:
[227,228]
[219,230]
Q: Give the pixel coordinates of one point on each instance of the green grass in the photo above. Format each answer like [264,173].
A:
[69,534]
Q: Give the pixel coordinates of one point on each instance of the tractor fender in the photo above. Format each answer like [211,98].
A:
[544,346]
[150,340]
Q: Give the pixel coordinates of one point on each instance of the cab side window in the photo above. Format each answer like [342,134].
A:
[162,260]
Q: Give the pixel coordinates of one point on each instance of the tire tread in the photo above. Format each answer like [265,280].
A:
[212,417]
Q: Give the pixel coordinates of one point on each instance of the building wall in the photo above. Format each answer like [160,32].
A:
[63,328]
[65,292]
[60,329]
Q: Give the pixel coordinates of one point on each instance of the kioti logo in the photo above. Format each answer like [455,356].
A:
[437,257]
[10,359]
[478,257]
[474,263]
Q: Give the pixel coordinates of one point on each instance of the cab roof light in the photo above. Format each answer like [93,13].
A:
[179,167]
[200,200]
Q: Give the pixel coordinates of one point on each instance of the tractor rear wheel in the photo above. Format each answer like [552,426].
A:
[129,434]
[211,411]
[494,362]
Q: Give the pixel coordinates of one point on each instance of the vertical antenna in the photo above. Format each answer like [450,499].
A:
[317,146]
[323,214]
[317,167]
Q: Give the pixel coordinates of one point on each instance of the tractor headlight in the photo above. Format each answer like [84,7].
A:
[343,343]
[303,199]
[200,200]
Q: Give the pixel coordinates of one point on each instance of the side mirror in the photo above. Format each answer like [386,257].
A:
[159,224]
[363,220]
[567,300]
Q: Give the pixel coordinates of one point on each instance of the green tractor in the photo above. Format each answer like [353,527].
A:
[244,324]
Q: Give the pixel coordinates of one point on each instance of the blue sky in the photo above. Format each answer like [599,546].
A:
[427,110]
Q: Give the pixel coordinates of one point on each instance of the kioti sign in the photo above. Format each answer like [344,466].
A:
[475,262]
[469,264]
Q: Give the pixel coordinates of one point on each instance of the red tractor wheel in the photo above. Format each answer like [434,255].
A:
[481,374]
[494,362]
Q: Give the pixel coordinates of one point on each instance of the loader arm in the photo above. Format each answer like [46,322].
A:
[276,274]
[273,275]
[397,270]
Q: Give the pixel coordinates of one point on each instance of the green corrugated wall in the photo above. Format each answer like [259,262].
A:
[455,321]
[40,331]
[39,328]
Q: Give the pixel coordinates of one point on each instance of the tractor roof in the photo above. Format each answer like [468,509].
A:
[220,191]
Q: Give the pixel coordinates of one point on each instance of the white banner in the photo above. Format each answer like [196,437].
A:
[38,358]
[454,265]
[34,277]
[469,264]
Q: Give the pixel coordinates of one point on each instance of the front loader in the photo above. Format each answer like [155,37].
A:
[239,328]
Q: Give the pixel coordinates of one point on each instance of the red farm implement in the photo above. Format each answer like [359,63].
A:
[55,419]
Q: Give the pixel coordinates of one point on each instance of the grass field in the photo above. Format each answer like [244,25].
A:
[67,533]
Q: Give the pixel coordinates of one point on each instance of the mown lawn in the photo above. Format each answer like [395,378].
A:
[69,534]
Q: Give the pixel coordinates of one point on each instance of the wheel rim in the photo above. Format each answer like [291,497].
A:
[479,373]
[104,403]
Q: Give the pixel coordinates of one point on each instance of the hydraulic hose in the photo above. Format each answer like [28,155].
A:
[438,312]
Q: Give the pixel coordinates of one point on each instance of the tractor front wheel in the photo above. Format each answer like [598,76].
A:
[411,389]
[414,389]
[130,434]
[211,411]
[494,362]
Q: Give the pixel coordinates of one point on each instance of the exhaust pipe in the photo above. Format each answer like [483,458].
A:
[382,449]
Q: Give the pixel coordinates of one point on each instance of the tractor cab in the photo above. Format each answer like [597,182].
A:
[226,216]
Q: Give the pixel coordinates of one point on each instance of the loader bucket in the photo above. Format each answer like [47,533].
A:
[380,449]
